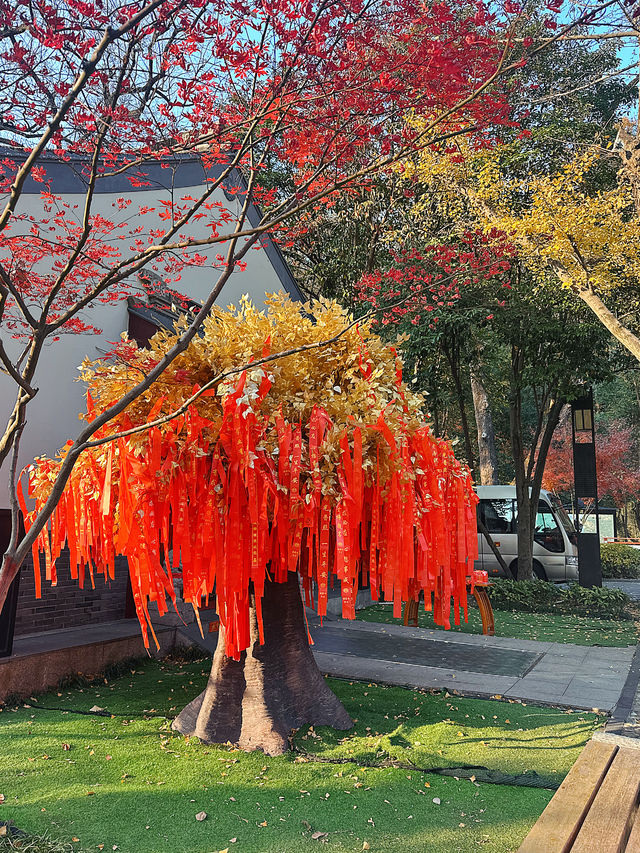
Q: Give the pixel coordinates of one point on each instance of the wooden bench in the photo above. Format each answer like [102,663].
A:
[479,592]
[595,809]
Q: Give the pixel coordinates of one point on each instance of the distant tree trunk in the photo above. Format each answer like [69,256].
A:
[276,687]
[487,457]
[452,354]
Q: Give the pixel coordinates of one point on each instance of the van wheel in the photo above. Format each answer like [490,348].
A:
[538,570]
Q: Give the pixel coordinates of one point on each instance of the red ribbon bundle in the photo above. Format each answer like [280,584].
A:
[231,512]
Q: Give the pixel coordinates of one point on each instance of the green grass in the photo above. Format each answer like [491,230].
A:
[549,627]
[128,783]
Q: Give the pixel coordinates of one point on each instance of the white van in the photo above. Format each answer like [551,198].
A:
[555,545]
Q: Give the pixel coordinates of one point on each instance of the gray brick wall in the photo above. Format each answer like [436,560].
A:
[66,605]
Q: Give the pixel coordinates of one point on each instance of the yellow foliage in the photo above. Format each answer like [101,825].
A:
[587,238]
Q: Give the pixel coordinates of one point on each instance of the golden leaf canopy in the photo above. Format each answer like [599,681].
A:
[318,461]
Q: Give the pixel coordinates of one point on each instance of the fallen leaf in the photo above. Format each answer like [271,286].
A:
[1,798]
[3,830]
[436,800]
[66,747]
[75,838]
[201,816]
[107,758]
[232,840]
[90,793]
[317,835]
[264,823]
[95,709]
[366,845]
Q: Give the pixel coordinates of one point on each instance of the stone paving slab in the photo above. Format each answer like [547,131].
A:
[569,676]
[420,650]
[440,636]
[409,675]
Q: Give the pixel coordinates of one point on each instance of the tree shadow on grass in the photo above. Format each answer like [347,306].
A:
[442,730]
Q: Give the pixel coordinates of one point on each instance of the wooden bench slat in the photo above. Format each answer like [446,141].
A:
[557,827]
[633,844]
[606,826]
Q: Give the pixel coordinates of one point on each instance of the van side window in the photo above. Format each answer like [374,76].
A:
[497,515]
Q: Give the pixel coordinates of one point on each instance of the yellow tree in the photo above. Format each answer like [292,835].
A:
[565,228]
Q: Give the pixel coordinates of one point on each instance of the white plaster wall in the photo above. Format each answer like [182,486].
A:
[53,414]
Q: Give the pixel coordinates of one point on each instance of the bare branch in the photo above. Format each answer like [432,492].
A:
[15,374]
[110,36]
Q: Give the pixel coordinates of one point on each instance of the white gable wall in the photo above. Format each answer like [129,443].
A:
[53,414]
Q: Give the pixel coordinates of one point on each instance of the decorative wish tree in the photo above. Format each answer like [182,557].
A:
[253,471]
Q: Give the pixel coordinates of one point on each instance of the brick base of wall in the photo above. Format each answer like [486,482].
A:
[66,605]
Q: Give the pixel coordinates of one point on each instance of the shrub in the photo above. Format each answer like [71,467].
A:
[596,601]
[620,561]
[533,596]
[536,596]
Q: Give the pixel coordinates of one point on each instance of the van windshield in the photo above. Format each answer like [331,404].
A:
[547,532]
[563,515]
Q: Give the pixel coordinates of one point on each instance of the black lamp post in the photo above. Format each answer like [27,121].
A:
[586,486]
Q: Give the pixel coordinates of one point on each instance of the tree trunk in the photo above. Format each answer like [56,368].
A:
[529,471]
[452,357]
[525,536]
[276,687]
[487,456]
[523,500]
[8,571]
[608,319]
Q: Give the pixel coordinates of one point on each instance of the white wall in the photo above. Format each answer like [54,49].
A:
[53,414]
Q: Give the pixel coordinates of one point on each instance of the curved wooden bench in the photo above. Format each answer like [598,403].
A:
[595,809]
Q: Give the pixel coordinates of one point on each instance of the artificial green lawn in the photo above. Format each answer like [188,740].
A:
[128,783]
[549,627]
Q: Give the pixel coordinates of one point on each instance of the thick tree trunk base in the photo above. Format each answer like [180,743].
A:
[255,702]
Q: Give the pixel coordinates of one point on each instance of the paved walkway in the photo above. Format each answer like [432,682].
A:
[632,588]
[566,675]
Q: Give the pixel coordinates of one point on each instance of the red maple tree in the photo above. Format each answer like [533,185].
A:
[319,90]
[616,459]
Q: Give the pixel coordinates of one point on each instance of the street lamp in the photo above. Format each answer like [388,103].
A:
[586,486]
